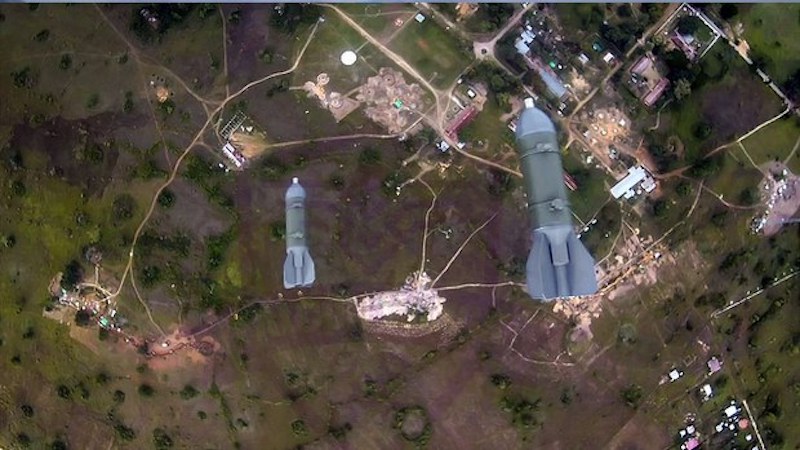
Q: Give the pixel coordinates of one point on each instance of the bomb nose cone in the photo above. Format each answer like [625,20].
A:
[528,102]
[533,120]
[295,190]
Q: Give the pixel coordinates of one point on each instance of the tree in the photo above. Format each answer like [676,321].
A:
[288,17]
[66,62]
[42,35]
[501,381]
[123,207]
[128,105]
[369,156]
[683,188]
[632,395]
[749,196]
[660,208]
[166,199]
[277,230]
[64,391]
[161,439]
[83,318]
[125,432]
[299,428]
[728,11]
[151,275]
[792,86]
[688,25]
[146,390]
[682,90]
[119,397]
[27,410]
[18,188]
[73,274]
[24,440]
[93,101]
[702,130]
[58,444]
[188,392]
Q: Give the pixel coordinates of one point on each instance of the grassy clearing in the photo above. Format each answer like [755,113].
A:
[592,191]
[775,141]
[377,18]
[736,175]
[774,31]
[731,106]
[334,37]
[436,53]
[488,128]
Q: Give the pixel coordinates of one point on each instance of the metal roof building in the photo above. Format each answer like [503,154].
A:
[624,188]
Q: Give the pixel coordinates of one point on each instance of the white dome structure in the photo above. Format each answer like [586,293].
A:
[348,58]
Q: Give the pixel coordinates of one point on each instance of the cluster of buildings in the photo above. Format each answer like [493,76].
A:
[637,181]
[468,103]
[543,50]
[647,80]
[728,423]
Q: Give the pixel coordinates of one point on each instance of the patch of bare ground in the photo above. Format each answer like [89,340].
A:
[640,433]
[254,49]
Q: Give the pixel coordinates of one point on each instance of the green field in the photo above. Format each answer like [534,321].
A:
[774,31]
[378,18]
[731,102]
[775,141]
[436,53]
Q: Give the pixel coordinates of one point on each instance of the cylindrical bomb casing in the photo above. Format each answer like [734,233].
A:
[558,265]
[540,162]
[295,216]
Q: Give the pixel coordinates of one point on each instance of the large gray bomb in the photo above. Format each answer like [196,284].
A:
[558,264]
[298,269]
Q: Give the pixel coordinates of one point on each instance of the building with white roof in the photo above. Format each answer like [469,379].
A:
[626,186]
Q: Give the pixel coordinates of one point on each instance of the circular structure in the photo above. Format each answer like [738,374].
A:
[348,58]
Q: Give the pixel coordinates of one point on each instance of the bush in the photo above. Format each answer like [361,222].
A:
[83,318]
[64,391]
[125,432]
[166,199]
[128,105]
[146,390]
[161,439]
[24,440]
[27,410]
[501,381]
[632,395]
[290,16]
[119,396]
[123,207]
[189,392]
[728,11]
[93,101]
[702,130]
[369,156]
[42,35]
[688,25]
[65,62]
[277,230]
[299,428]
[151,275]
